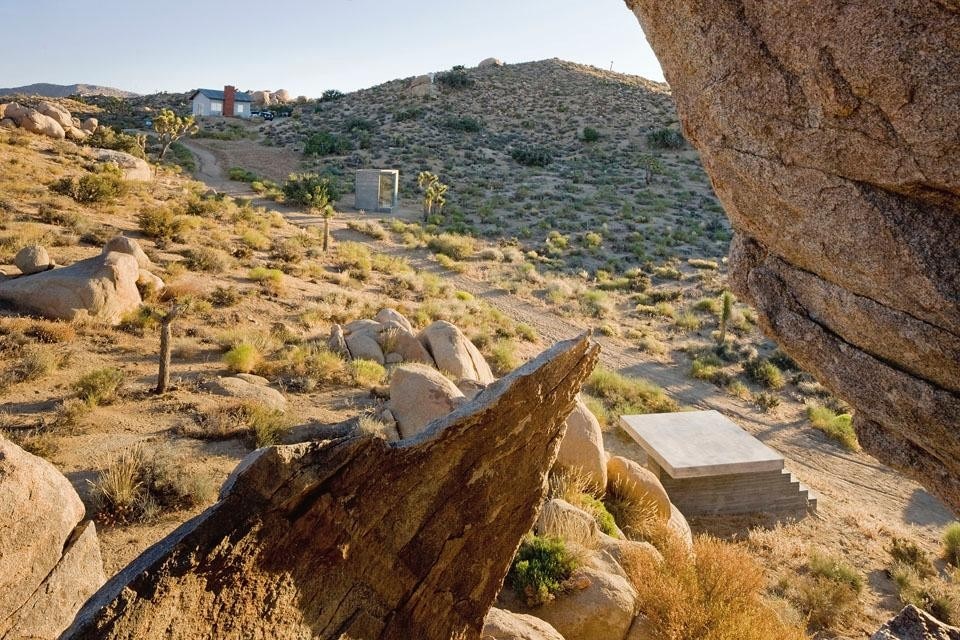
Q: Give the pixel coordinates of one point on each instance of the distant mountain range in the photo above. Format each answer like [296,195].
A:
[48,90]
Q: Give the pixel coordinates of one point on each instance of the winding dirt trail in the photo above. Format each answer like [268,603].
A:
[854,489]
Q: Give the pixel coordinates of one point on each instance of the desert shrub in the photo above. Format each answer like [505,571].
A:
[266,425]
[665,138]
[764,372]
[468,124]
[239,174]
[456,78]
[909,553]
[34,362]
[526,333]
[532,156]
[140,320]
[453,245]
[540,568]
[305,188]
[324,143]
[590,134]
[244,357]
[100,386]
[162,223]
[354,258]
[687,320]
[708,367]
[829,594]
[224,296]
[368,228]
[304,367]
[331,95]
[255,240]
[134,487]
[766,401]
[624,394]
[951,544]
[69,413]
[713,593]
[404,115]
[367,373]
[502,357]
[51,332]
[701,263]
[837,426]
[595,303]
[207,259]
[104,184]
[108,138]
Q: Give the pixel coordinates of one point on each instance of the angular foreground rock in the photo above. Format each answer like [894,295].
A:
[914,624]
[357,537]
[835,158]
[48,564]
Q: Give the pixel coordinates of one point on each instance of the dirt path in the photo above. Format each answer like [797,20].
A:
[852,486]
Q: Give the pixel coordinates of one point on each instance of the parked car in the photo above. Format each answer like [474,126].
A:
[267,115]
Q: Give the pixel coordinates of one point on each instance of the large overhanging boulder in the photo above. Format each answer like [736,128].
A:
[357,537]
[830,133]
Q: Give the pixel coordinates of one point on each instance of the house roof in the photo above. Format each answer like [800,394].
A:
[214,94]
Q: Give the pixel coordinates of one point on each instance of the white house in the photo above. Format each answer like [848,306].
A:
[228,103]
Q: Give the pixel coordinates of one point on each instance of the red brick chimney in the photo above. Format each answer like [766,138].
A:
[229,95]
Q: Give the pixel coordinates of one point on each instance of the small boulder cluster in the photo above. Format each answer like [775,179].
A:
[103,288]
[47,119]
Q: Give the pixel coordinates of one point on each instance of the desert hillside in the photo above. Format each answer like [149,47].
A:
[281,332]
[47,90]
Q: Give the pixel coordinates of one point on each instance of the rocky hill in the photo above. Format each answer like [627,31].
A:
[47,90]
[562,157]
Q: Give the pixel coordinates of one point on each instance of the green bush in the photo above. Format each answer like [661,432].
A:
[665,138]
[764,372]
[540,568]
[837,426]
[324,143]
[240,174]
[100,386]
[452,245]
[102,185]
[909,553]
[403,115]
[463,123]
[951,544]
[357,123]
[628,395]
[456,78]
[304,188]
[107,138]
[532,156]
[590,134]
[163,223]
[331,95]
[243,357]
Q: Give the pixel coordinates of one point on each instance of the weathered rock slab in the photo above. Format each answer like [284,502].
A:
[915,624]
[352,537]
[834,157]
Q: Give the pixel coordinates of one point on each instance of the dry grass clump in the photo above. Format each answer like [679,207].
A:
[714,593]
[34,362]
[828,594]
[100,386]
[502,356]
[369,425]
[453,246]
[244,357]
[623,394]
[367,373]
[355,259]
[259,425]
[837,426]
[207,259]
[951,544]
[577,488]
[51,332]
[368,228]
[638,518]
[305,367]
[270,279]
[164,224]
[135,488]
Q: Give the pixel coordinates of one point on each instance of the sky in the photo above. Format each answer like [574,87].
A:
[304,47]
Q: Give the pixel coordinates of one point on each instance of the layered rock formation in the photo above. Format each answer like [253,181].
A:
[830,133]
[358,537]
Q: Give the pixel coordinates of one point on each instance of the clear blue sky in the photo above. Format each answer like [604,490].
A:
[302,46]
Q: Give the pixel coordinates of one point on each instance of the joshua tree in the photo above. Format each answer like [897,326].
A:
[726,312]
[170,127]
[320,202]
[434,193]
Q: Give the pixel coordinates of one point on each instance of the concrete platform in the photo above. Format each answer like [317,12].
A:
[710,466]
[694,444]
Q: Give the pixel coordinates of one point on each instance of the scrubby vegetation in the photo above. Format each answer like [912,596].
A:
[541,567]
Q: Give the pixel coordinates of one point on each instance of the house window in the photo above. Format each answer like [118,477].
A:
[216,107]
[239,108]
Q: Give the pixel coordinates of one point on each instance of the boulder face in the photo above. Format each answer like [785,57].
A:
[419,395]
[358,537]
[454,353]
[133,167]
[48,564]
[915,624]
[834,157]
[103,287]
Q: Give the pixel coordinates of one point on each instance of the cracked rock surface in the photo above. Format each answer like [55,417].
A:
[830,133]
[358,537]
